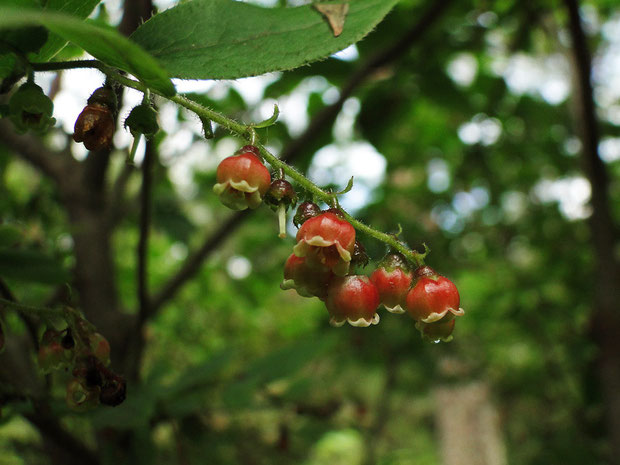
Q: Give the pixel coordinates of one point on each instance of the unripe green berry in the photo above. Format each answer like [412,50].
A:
[142,120]
[31,109]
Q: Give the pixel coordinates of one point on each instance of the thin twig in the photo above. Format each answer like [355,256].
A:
[194,261]
[51,163]
[64,446]
[145,223]
[7,294]
[117,207]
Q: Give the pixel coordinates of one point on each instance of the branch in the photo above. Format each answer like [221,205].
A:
[601,221]
[64,448]
[9,297]
[320,122]
[53,164]
[5,292]
[145,221]
[117,206]
[193,262]
[605,319]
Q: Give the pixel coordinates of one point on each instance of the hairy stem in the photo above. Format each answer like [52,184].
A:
[33,311]
[247,132]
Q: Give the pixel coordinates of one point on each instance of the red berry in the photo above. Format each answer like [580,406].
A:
[49,336]
[393,286]
[242,181]
[433,297]
[438,331]
[326,240]
[51,356]
[100,348]
[308,282]
[353,299]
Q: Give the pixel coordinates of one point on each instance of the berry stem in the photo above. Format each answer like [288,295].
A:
[282,220]
[248,133]
[134,149]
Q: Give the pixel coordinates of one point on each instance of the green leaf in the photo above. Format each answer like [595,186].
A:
[31,266]
[281,363]
[78,8]
[229,40]
[197,377]
[104,44]
[269,121]
[54,43]
[22,40]
[9,235]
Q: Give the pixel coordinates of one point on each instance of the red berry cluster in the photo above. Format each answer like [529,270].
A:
[87,354]
[327,251]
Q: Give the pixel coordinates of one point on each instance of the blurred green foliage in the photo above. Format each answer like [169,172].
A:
[238,371]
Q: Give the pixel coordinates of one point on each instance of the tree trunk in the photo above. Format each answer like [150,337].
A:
[605,320]
[468,426]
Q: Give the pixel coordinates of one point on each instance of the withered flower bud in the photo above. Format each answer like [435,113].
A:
[95,126]
[114,391]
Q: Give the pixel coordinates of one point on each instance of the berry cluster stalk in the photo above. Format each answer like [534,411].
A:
[248,132]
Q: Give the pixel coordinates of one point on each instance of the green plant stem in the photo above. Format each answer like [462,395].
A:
[247,132]
[134,148]
[41,312]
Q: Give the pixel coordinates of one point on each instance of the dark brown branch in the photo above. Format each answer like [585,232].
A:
[6,293]
[117,207]
[137,339]
[193,262]
[145,223]
[602,224]
[52,164]
[62,446]
[605,323]
[323,120]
